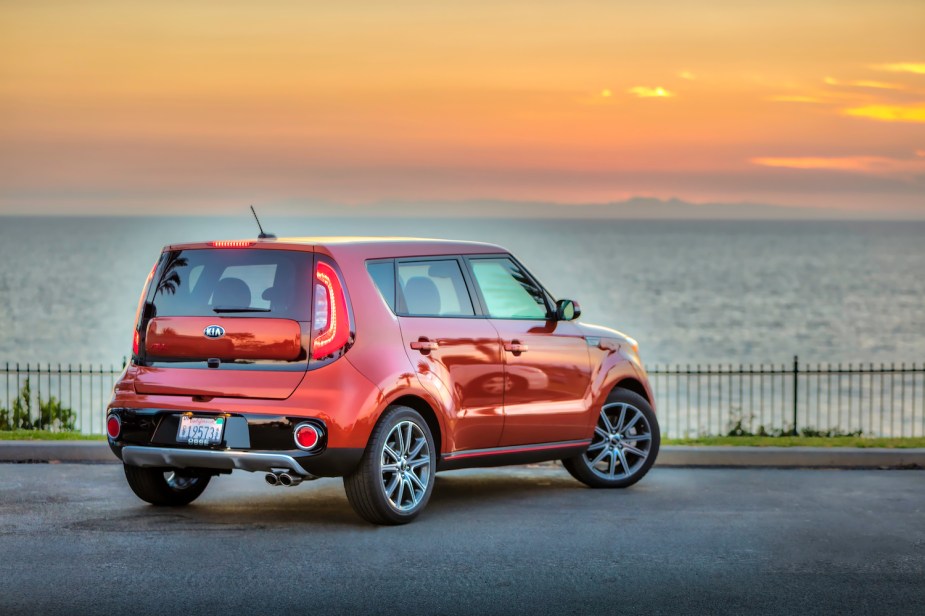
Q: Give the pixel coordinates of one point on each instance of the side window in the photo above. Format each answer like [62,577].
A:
[433,288]
[508,291]
[383,275]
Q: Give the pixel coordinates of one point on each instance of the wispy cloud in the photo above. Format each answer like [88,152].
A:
[687,75]
[862,83]
[647,92]
[880,165]
[917,68]
[796,98]
[889,113]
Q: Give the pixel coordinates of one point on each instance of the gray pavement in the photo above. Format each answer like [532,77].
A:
[74,540]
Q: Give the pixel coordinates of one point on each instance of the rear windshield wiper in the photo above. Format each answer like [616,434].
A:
[220,309]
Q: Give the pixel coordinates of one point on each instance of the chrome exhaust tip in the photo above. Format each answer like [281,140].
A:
[289,480]
[272,479]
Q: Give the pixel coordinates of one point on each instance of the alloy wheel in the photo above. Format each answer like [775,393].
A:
[621,443]
[405,463]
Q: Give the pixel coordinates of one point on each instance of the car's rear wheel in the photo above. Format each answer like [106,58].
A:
[395,478]
[624,446]
[165,487]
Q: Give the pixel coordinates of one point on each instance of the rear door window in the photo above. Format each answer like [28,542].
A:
[234,282]
[433,288]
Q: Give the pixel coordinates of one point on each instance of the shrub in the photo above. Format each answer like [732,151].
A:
[52,414]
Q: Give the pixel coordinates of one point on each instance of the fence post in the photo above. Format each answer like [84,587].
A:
[796,374]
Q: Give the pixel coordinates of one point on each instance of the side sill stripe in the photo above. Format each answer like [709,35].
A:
[497,451]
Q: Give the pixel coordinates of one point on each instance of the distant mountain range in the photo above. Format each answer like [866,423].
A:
[635,208]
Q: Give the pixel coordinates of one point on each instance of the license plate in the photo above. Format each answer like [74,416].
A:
[200,430]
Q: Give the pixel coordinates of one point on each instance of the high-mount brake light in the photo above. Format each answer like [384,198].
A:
[232,243]
[331,318]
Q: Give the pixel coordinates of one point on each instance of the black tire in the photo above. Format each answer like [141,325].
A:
[367,488]
[165,487]
[620,451]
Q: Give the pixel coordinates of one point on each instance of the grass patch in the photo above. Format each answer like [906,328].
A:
[800,441]
[47,435]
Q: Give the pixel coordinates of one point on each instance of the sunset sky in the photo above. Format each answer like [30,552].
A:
[187,106]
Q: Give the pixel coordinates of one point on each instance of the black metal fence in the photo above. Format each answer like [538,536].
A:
[824,399]
[83,388]
[692,400]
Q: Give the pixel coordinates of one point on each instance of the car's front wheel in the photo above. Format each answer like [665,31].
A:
[395,477]
[624,446]
[168,488]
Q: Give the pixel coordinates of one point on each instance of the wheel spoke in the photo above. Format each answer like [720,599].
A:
[612,466]
[607,424]
[634,451]
[599,457]
[417,481]
[626,466]
[635,418]
[637,437]
[597,445]
[601,432]
[401,491]
[391,452]
[417,448]
[619,425]
[390,489]
[411,493]
[389,468]
[419,462]
[407,441]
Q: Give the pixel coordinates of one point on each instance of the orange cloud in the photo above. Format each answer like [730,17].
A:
[917,68]
[647,92]
[796,98]
[863,83]
[889,113]
[880,165]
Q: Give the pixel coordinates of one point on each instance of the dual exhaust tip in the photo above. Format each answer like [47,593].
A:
[282,479]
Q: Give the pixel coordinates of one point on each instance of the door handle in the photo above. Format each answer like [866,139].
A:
[424,345]
[515,347]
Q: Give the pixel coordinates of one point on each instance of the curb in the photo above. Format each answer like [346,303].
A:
[670,456]
[56,451]
[791,457]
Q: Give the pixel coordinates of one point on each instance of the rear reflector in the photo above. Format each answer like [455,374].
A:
[232,243]
[113,426]
[306,436]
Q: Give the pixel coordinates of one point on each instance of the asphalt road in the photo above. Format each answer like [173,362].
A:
[74,540]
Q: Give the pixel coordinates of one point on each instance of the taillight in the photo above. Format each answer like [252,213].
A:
[113,427]
[331,318]
[136,339]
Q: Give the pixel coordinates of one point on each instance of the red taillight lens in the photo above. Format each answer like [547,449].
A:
[307,436]
[331,318]
[136,339]
[113,426]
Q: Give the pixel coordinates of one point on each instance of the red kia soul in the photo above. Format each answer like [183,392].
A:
[379,360]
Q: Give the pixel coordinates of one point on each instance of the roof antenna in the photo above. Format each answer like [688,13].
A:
[262,236]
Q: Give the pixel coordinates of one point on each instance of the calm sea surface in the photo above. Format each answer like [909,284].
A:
[707,292]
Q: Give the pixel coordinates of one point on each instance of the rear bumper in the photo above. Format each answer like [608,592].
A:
[219,460]
[329,463]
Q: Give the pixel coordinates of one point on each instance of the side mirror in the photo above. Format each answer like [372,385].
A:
[567,310]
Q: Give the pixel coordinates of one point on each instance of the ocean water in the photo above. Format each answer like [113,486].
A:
[690,292]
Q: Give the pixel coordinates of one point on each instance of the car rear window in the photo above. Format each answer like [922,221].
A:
[235,282]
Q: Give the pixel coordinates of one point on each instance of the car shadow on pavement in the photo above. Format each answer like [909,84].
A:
[324,504]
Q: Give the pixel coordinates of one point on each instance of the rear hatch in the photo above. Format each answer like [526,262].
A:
[226,322]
